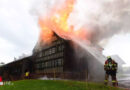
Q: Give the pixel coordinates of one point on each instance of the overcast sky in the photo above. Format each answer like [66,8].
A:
[18,29]
[120,45]
[19,32]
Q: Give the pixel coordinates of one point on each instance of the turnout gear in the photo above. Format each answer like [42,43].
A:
[111,69]
[27,74]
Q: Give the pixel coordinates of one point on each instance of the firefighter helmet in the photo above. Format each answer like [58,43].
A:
[108,57]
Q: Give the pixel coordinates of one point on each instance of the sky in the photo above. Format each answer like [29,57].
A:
[119,45]
[18,29]
[19,32]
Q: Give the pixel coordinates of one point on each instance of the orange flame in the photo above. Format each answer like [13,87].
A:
[46,32]
[57,22]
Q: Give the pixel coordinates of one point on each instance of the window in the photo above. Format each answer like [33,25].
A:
[52,63]
[37,66]
[59,48]
[59,62]
[58,42]
[43,65]
[49,64]
[56,63]
[63,47]
[41,59]
[44,58]
[46,53]
[53,50]
[40,65]
[62,61]
[40,55]
[43,54]
[49,51]
[50,57]
[54,56]
[47,58]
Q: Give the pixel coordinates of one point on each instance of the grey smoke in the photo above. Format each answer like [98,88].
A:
[91,63]
[102,19]
[43,7]
[110,17]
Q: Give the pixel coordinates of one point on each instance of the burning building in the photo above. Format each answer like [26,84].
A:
[58,60]
[64,51]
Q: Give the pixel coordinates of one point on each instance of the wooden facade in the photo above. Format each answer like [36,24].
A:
[16,69]
[56,60]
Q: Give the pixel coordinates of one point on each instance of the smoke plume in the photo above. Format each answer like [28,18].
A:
[101,19]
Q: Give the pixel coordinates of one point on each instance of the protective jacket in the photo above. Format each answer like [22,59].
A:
[110,65]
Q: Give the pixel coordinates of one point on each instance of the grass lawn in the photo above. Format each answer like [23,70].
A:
[55,85]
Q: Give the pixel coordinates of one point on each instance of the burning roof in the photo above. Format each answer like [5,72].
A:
[57,21]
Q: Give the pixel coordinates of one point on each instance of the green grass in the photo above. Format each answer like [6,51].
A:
[55,85]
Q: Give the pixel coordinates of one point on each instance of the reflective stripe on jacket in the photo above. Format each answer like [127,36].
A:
[110,65]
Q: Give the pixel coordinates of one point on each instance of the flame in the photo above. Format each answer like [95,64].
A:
[58,22]
[60,17]
[46,32]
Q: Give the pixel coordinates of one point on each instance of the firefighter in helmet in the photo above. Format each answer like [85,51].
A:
[110,68]
[27,74]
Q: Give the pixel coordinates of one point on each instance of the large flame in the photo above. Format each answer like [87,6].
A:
[57,21]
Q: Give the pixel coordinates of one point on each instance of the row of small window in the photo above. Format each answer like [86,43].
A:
[50,64]
[50,70]
[58,42]
[52,51]
[15,71]
[57,55]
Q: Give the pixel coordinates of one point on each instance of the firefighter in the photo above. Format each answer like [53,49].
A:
[27,74]
[110,68]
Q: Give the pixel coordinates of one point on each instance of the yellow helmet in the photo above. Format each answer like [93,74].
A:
[108,57]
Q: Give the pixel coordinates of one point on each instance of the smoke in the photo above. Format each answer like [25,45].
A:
[92,63]
[43,7]
[101,19]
